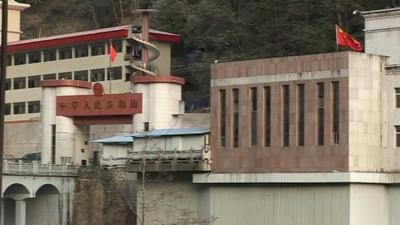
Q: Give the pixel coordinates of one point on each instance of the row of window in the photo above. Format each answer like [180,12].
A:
[115,73]
[21,107]
[68,52]
[285,109]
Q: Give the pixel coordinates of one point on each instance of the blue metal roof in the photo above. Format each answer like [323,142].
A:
[128,138]
[170,132]
[116,139]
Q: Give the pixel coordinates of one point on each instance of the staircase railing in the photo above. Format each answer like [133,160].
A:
[152,48]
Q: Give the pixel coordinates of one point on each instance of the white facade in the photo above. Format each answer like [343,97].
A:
[382,33]
[23,88]
[169,143]
[70,139]
[161,106]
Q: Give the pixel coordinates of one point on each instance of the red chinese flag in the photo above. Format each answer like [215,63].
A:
[344,39]
[113,53]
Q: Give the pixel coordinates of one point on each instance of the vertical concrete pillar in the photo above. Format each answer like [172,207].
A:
[20,212]
[2,212]
[162,100]
[48,119]
[60,135]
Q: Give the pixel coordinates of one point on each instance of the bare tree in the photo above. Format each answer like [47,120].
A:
[94,17]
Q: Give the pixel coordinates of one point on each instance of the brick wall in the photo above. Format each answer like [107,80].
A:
[104,198]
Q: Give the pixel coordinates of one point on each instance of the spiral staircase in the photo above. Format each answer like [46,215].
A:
[136,64]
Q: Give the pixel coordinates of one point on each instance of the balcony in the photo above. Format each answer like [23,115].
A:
[36,169]
[163,161]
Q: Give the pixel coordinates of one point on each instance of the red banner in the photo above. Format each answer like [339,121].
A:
[106,105]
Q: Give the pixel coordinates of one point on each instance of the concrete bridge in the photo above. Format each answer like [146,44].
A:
[37,194]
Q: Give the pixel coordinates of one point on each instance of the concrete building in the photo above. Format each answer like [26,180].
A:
[174,149]
[381,31]
[299,140]
[294,140]
[291,110]
[81,56]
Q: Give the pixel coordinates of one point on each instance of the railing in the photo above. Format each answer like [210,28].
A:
[176,160]
[34,168]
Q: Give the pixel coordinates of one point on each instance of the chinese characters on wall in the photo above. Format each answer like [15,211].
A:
[106,105]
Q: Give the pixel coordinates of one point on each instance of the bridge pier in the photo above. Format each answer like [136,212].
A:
[2,211]
[20,212]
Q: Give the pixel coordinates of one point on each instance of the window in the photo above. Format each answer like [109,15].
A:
[81,51]
[66,160]
[397,129]
[34,107]
[128,76]
[336,112]
[117,44]
[286,115]
[81,75]
[9,60]
[98,49]
[128,49]
[53,144]
[65,53]
[7,109]
[51,76]
[235,100]
[20,59]
[34,57]
[267,116]
[34,81]
[397,92]
[116,73]
[19,83]
[300,114]
[253,115]
[82,150]
[49,55]
[222,117]
[8,84]
[320,113]
[97,75]
[19,107]
[65,76]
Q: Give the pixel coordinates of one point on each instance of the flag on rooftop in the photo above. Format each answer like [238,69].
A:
[345,39]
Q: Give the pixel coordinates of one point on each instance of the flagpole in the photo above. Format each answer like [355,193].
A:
[109,68]
[337,46]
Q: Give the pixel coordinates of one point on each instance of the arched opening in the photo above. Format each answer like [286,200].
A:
[48,189]
[46,203]
[11,193]
[15,189]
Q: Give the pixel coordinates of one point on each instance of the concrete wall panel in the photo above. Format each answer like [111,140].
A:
[369,204]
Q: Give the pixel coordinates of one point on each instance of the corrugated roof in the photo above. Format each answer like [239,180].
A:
[171,132]
[116,139]
[128,138]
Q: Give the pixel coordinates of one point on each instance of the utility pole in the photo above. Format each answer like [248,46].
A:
[3,58]
[143,181]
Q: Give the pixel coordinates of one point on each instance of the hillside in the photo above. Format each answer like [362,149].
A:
[213,29]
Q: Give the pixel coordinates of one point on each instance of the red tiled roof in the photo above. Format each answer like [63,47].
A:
[86,36]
